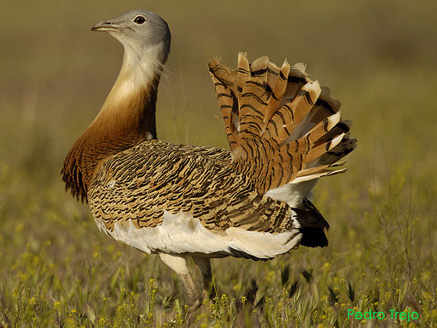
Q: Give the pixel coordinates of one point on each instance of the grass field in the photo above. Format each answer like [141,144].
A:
[57,270]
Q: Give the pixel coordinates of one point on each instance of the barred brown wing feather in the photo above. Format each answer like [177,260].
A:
[142,183]
[224,83]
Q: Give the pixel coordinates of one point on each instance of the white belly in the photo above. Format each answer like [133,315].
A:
[181,233]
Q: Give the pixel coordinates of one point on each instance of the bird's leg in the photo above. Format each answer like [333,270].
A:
[179,265]
[204,266]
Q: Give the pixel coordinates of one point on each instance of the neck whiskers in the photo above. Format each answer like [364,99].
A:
[126,118]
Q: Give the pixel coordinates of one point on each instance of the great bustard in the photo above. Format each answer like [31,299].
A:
[178,201]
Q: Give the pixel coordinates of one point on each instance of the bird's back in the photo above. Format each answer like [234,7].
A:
[156,185]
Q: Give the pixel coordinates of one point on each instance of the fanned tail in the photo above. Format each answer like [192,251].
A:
[282,127]
[284,131]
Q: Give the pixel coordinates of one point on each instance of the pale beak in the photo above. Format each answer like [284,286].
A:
[105,26]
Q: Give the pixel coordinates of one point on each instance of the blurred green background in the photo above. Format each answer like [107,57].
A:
[378,57]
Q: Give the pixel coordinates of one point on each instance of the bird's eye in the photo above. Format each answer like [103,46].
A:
[139,20]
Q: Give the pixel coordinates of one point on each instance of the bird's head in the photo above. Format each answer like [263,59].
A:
[139,31]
